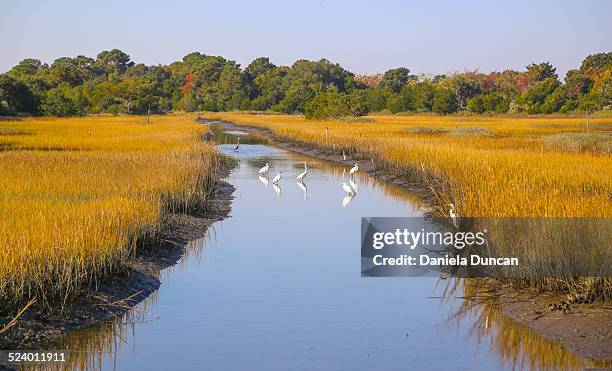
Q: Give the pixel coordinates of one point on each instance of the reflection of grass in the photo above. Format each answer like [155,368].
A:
[74,214]
[510,173]
[518,346]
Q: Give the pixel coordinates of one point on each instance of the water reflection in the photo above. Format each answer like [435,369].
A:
[277,189]
[517,346]
[304,188]
[264,180]
[347,200]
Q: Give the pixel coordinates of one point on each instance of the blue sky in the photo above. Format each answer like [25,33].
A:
[363,36]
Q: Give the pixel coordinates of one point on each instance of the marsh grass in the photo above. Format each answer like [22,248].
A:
[80,195]
[425,130]
[352,119]
[507,173]
[579,142]
[471,131]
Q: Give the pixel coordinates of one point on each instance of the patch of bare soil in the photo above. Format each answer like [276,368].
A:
[584,329]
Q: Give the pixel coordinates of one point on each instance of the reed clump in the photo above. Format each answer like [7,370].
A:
[79,195]
[580,142]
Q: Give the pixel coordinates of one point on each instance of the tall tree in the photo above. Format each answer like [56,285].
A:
[395,79]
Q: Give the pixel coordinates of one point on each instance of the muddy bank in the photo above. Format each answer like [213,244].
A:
[122,291]
[586,330]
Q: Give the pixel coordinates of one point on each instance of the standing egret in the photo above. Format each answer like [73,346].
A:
[354,169]
[300,178]
[348,189]
[453,215]
[237,145]
[264,169]
[264,180]
[277,178]
[353,185]
[343,155]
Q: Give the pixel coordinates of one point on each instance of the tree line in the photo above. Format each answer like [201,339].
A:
[112,83]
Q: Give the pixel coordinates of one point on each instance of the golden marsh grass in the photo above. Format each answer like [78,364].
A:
[77,195]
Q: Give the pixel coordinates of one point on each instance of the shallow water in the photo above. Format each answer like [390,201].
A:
[278,286]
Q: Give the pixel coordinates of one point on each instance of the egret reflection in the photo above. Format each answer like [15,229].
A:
[353,185]
[303,187]
[277,189]
[348,189]
[347,200]
[264,180]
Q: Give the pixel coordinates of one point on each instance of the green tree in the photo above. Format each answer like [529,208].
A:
[16,97]
[232,87]
[27,67]
[424,93]
[377,99]
[358,102]
[476,104]
[542,71]
[327,105]
[258,67]
[113,61]
[395,79]
[532,99]
[596,62]
[57,102]
[445,101]
[405,100]
[465,89]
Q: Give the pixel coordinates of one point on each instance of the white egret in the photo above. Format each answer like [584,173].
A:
[453,215]
[237,145]
[277,178]
[354,169]
[347,200]
[264,180]
[303,187]
[277,189]
[264,169]
[301,177]
[348,189]
[353,185]
[343,155]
